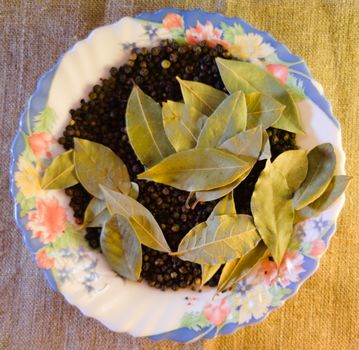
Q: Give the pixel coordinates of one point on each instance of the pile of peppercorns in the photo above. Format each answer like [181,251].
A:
[102,119]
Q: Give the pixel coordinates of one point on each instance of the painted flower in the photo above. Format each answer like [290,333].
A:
[43,260]
[27,178]
[279,71]
[172,21]
[318,247]
[206,33]
[47,221]
[250,47]
[217,313]
[254,303]
[40,144]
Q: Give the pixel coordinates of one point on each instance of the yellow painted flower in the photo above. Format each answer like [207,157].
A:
[27,178]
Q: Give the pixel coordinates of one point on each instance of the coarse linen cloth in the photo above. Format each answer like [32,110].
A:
[324,314]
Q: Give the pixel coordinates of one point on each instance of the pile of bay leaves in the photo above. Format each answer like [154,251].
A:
[205,145]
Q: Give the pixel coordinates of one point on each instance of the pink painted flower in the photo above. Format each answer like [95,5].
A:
[43,260]
[206,33]
[217,314]
[279,71]
[48,221]
[172,21]
[40,144]
[318,247]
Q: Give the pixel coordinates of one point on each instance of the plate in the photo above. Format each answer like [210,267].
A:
[79,273]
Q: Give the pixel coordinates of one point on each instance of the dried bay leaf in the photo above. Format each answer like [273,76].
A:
[237,269]
[145,128]
[229,118]
[265,150]
[321,167]
[218,240]
[293,165]
[203,97]
[121,247]
[96,213]
[197,169]
[96,164]
[146,227]
[135,190]
[334,190]
[272,210]
[208,271]
[61,173]
[247,77]
[262,110]
[225,206]
[182,124]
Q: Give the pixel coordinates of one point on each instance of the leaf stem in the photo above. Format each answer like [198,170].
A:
[300,73]
[203,334]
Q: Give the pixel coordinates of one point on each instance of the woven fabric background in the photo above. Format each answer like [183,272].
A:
[324,315]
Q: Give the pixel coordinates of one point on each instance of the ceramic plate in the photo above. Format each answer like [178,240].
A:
[79,273]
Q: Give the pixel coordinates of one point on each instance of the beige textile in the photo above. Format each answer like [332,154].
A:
[324,315]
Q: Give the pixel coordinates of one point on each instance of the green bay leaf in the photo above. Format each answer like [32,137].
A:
[197,169]
[96,213]
[235,270]
[203,97]
[272,210]
[121,247]
[146,227]
[182,124]
[61,173]
[321,167]
[96,164]
[229,118]
[208,271]
[334,190]
[293,165]
[218,240]
[145,128]
[247,77]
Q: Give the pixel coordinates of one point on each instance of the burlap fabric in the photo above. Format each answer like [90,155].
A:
[325,33]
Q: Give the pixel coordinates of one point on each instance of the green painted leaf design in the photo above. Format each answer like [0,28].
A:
[96,164]
[265,151]
[146,227]
[229,118]
[248,77]
[121,247]
[230,32]
[262,110]
[321,167]
[45,121]
[208,271]
[218,240]
[27,153]
[61,173]
[96,213]
[182,124]
[197,169]
[237,269]
[293,165]
[272,211]
[203,97]
[278,294]
[71,237]
[135,190]
[145,128]
[335,189]
[225,206]
[26,204]
[194,320]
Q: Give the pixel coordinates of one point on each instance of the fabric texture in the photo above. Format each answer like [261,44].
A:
[324,313]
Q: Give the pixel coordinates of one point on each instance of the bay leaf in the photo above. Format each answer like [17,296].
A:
[228,119]
[247,77]
[121,247]
[262,110]
[182,124]
[321,167]
[225,206]
[235,270]
[197,169]
[61,173]
[204,98]
[293,165]
[272,211]
[208,271]
[265,151]
[334,190]
[96,213]
[218,240]
[145,128]
[96,164]
[146,227]
[134,191]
